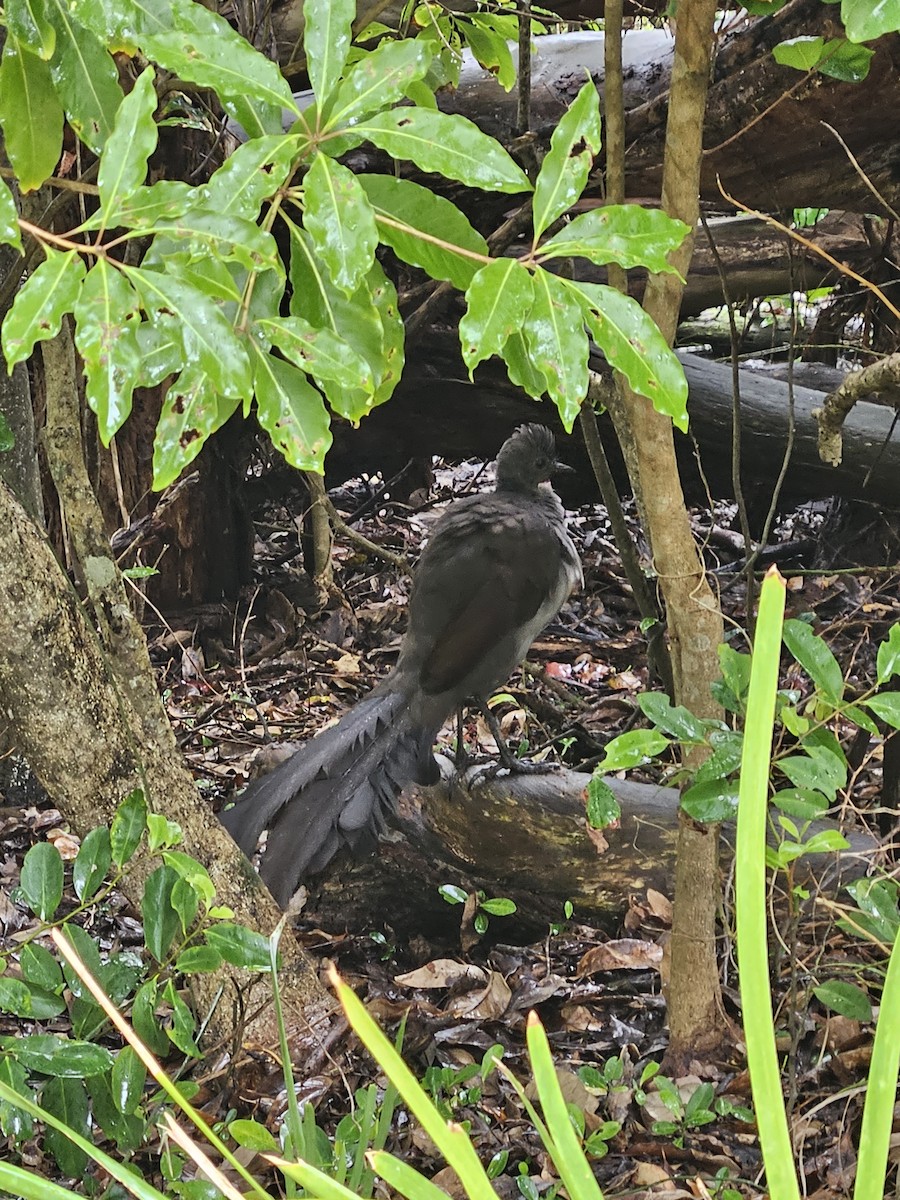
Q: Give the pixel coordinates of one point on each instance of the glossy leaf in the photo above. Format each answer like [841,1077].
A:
[88,951]
[91,863]
[126,1131]
[183,1027]
[819,771]
[122,23]
[415,206]
[128,1077]
[845,998]
[602,809]
[198,959]
[15,1122]
[165,200]
[713,801]
[801,803]
[202,47]
[240,946]
[446,143]
[67,1100]
[674,720]
[292,412]
[123,165]
[26,21]
[633,344]
[105,315]
[802,53]
[159,918]
[567,164]
[887,707]
[846,61]
[815,658]
[85,76]
[865,21]
[31,115]
[52,1055]
[326,40]
[378,80]
[194,408]
[520,368]
[10,234]
[889,655]
[255,171]
[41,303]
[621,233]
[41,880]
[208,336]
[726,756]
[319,352]
[21,1000]
[497,300]
[490,50]
[127,827]
[340,221]
[203,233]
[39,967]
[143,1018]
[253,1136]
[631,749]
[556,339]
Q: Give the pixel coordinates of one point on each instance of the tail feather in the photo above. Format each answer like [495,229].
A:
[335,791]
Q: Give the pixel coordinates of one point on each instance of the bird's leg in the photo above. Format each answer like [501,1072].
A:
[516,766]
[461,757]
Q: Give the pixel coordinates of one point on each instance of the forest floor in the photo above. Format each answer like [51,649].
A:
[239,681]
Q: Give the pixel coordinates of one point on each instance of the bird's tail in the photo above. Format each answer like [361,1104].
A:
[335,791]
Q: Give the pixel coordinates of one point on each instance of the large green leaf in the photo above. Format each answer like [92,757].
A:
[201,232]
[864,20]
[15,1122]
[194,408]
[378,80]
[123,165]
[291,411]
[554,334]
[401,200]
[202,47]
[490,48]
[326,40]
[165,200]
[621,233]
[633,344]
[26,21]
[497,301]
[208,336]
[86,77]
[255,171]
[446,143]
[127,827]
[815,658]
[52,1055]
[10,235]
[105,315]
[319,352]
[159,917]
[91,863]
[383,297]
[41,303]
[67,1100]
[30,114]
[564,171]
[520,368]
[123,23]
[340,221]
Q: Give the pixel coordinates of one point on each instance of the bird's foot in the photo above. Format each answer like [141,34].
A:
[517,766]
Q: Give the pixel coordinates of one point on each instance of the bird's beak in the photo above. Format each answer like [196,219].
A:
[561,468]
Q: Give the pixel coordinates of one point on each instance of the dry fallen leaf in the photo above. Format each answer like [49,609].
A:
[625,954]
[441,973]
[486,1005]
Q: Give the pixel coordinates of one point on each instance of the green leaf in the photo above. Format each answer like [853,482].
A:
[86,77]
[564,171]
[678,722]
[326,40]
[603,809]
[490,49]
[712,801]
[192,872]
[446,143]
[340,221]
[126,1131]
[889,655]
[31,115]
[318,352]
[181,1031]
[378,80]
[520,368]
[499,906]
[291,411]
[162,832]
[41,880]
[160,919]
[40,967]
[452,894]
[26,21]
[633,344]
[91,863]
[845,998]
[128,1078]
[877,900]
[865,21]
[801,803]
[67,1100]
[499,297]
[846,61]
[255,171]
[240,946]
[123,165]
[144,1019]
[15,998]
[253,1136]
[554,334]
[887,707]
[401,200]
[106,313]
[165,200]
[10,234]
[815,658]
[192,411]
[127,827]
[186,903]
[818,771]
[632,749]
[202,47]
[52,1055]
[201,233]
[197,959]
[87,950]
[15,1122]
[621,233]
[41,303]
[802,53]
[209,338]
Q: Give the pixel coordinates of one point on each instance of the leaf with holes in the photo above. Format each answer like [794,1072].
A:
[85,76]
[498,299]
[565,169]
[291,411]
[340,221]
[377,81]
[41,303]
[621,233]
[106,313]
